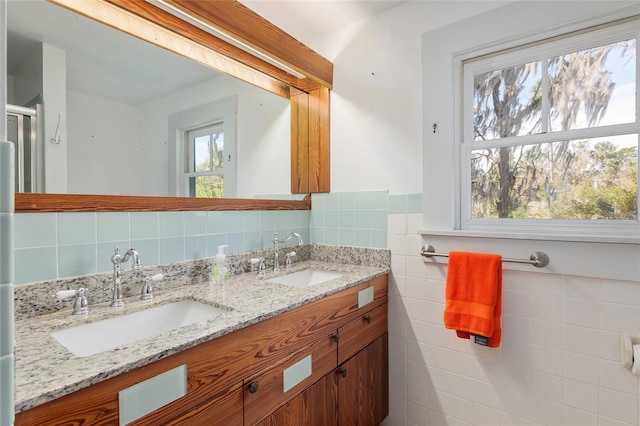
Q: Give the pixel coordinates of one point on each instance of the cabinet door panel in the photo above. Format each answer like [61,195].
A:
[363,386]
[267,391]
[316,406]
[360,332]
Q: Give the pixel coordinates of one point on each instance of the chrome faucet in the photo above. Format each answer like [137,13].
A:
[276,247]
[118,259]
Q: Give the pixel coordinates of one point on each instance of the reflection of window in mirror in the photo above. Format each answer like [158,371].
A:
[207,163]
[202,150]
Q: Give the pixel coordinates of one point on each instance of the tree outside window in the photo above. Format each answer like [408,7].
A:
[554,136]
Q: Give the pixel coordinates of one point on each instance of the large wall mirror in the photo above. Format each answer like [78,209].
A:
[116,114]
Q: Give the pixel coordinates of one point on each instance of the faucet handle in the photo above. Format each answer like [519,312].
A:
[261,268]
[287,263]
[80,305]
[147,288]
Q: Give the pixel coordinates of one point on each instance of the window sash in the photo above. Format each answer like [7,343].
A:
[561,45]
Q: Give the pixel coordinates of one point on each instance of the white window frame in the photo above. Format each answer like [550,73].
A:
[180,123]
[189,146]
[465,144]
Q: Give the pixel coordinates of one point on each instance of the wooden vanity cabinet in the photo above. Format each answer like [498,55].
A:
[363,386]
[267,391]
[355,391]
[225,408]
[220,371]
[316,405]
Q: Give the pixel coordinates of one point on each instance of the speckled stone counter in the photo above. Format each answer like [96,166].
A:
[46,370]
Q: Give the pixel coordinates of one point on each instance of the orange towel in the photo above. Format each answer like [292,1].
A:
[474,296]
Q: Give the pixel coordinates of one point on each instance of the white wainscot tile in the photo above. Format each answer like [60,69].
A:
[486,416]
[397,224]
[546,412]
[515,328]
[515,403]
[417,373]
[397,244]
[437,356]
[581,368]
[516,378]
[546,386]
[418,331]
[416,309]
[582,396]
[619,406]
[627,292]
[547,307]
[463,364]
[516,353]
[613,375]
[547,333]
[437,335]
[399,264]
[417,288]
[435,291]
[435,313]
[517,303]
[581,340]
[462,386]
[581,312]
[572,416]
[619,317]
[582,287]
[487,394]
[547,360]
[416,268]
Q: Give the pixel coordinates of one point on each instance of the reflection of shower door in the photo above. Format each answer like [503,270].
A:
[22,127]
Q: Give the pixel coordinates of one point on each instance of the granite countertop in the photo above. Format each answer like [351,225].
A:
[46,370]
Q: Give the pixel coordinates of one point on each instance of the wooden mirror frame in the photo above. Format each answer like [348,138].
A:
[309,96]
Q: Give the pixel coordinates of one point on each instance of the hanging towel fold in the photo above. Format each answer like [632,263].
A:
[474,296]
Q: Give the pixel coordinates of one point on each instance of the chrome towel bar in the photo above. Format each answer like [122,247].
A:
[537,259]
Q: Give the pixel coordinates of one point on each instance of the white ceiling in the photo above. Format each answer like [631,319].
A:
[107,63]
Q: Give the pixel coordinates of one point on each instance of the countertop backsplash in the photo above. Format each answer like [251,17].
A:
[38,298]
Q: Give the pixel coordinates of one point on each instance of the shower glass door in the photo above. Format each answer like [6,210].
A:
[22,130]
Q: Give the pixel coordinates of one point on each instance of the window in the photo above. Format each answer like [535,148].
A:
[202,150]
[550,132]
[204,171]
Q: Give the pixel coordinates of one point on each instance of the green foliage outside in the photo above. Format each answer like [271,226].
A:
[562,180]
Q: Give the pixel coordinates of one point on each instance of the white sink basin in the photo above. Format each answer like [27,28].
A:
[93,338]
[305,278]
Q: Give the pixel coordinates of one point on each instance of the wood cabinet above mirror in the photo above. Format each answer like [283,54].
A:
[309,96]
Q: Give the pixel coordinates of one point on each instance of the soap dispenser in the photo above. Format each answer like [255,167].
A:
[220,271]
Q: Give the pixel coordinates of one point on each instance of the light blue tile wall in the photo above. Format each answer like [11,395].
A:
[350,218]
[7,359]
[60,245]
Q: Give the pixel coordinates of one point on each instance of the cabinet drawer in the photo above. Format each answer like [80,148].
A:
[269,390]
[361,331]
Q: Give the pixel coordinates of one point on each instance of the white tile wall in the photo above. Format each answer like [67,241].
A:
[558,363]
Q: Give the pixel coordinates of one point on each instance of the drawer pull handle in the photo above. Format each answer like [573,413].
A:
[336,337]
[343,372]
[253,386]
[367,318]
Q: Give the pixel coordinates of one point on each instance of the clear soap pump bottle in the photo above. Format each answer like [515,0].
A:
[220,271]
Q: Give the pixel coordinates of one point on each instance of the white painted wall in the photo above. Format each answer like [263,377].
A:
[376,103]
[103,153]
[54,95]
